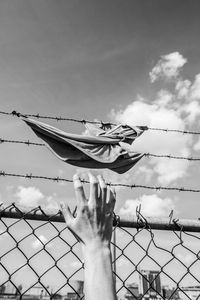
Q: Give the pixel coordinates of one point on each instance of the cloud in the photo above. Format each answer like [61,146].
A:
[188,90]
[51,204]
[164,98]
[197,145]
[147,172]
[28,196]
[77,264]
[192,111]
[169,170]
[121,262]
[195,88]
[2,234]
[189,93]
[151,206]
[168,66]
[187,259]
[37,243]
[160,113]
[32,196]
[177,108]
[182,88]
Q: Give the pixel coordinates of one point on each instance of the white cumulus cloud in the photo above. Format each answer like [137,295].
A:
[151,206]
[177,107]
[77,264]
[195,88]
[168,66]
[182,88]
[197,145]
[188,89]
[158,116]
[189,94]
[39,242]
[187,259]
[28,196]
[191,110]
[51,203]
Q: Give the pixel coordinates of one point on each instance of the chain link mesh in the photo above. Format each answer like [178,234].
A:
[41,259]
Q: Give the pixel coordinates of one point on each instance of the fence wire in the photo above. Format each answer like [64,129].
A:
[152,258]
[123,185]
[168,156]
[83,121]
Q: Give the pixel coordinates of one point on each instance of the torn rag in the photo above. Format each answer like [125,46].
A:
[101,146]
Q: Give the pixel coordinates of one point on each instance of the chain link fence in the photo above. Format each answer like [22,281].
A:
[152,258]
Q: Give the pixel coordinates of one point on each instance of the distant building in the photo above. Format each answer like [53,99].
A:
[170,293]
[192,292]
[36,291]
[8,289]
[150,284]
[132,292]
[78,286]
[2,289]
[71,296]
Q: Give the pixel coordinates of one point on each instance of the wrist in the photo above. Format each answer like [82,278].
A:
[96,248]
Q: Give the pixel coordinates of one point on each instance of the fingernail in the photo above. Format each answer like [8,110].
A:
[62,205]
[92,178]
[76,177]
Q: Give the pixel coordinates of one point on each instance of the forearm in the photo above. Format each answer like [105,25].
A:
[99,283]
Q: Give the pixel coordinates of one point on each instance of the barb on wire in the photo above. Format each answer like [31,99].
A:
[172,156]
[57,179]
[174,130]
[140,218]
[38,116]
[28,143]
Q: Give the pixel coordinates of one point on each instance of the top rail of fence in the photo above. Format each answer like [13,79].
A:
[137,221]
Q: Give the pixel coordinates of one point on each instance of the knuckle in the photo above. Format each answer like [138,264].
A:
[84,208]
[79,187]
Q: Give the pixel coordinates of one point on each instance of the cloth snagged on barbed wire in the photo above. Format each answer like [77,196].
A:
[101,147]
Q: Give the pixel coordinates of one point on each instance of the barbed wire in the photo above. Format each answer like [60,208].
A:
[172,156]
[131,186]
[38,116]
[83,121]
[28,143]
[169,156]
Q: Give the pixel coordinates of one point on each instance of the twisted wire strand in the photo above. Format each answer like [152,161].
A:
[131,186]
[83,121]
[28,143]
[172,156]
[38,116]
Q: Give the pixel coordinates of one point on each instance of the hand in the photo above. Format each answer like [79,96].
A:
[92,225]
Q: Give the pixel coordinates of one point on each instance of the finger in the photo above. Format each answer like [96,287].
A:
[75,212]
[79,191]
[76,235]
[93,190]
[111,199]
[103,189]
[66,212]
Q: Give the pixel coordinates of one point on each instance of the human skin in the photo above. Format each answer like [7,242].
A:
[92,226]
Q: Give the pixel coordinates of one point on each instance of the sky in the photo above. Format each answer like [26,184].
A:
[134,62]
